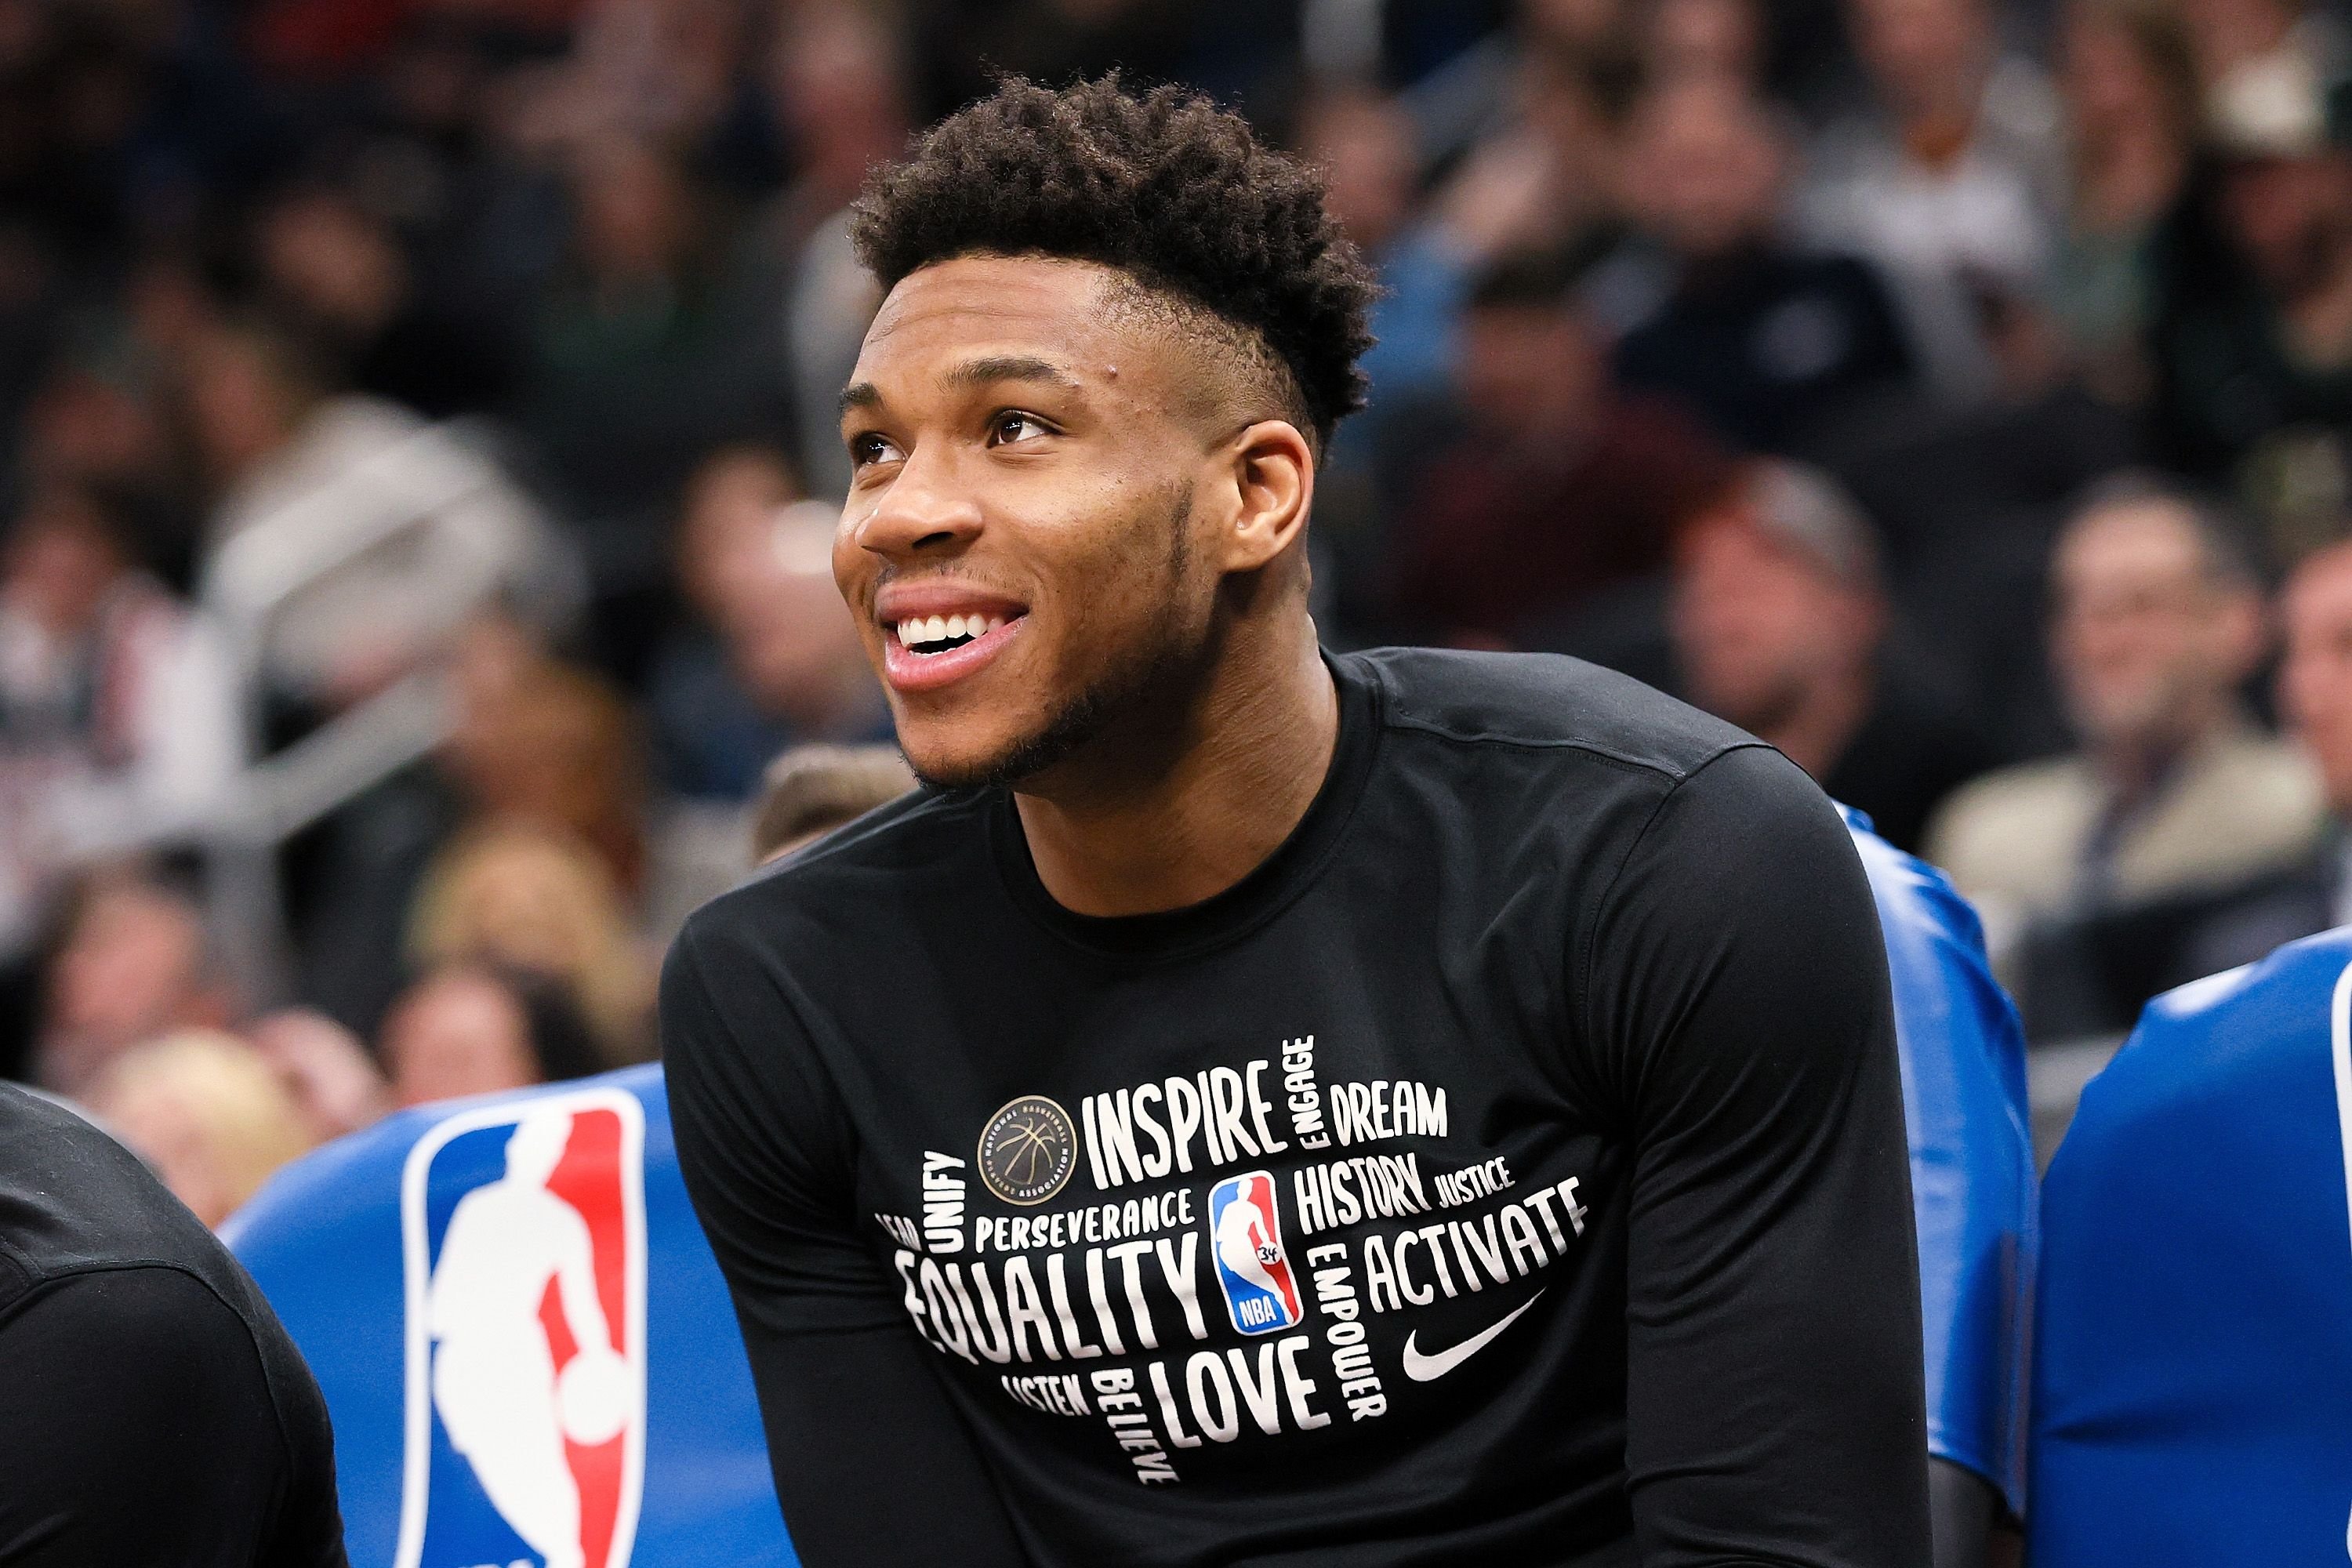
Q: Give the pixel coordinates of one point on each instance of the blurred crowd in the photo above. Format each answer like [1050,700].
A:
[418,459]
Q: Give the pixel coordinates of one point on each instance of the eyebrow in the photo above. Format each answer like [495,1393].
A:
[973,372]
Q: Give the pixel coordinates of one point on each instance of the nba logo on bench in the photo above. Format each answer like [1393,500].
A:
[523,1227]
[1245,1236]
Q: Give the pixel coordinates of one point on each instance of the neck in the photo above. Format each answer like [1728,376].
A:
[1813,733]
[2133,765]
[1181,808]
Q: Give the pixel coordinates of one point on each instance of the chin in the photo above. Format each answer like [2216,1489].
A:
[948,757]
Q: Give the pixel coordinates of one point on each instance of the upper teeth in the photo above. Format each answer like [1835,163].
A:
[937,628]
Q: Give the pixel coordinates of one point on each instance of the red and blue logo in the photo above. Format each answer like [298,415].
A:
[523,1234]
[1246,1238]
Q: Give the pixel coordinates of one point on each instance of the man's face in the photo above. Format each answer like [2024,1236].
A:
[2144,640]
[1758,624]
[1530,372]
[2315,681]
[1705,169]
[2288,215]
[1917,49]
[1020,548]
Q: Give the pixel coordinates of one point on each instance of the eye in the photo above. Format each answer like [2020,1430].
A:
[868,447]
[1011,427]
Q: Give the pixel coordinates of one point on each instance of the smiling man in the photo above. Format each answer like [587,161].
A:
[1259,1106]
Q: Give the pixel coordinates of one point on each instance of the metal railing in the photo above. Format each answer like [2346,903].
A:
[254,576]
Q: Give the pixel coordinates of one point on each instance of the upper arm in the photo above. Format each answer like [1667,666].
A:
[140,1385]
[1736,1002]
[848,1393]
[765,1148]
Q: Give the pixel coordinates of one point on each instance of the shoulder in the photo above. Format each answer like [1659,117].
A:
[1543,704]
[928,829]
[71,1199]
[2199,1045]
[2278,771]
[143,1325]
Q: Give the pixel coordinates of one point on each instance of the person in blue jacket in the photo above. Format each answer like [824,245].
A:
[1972,1189]
[2193,1363]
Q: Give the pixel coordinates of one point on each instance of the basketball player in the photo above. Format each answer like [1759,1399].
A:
[1553,1013]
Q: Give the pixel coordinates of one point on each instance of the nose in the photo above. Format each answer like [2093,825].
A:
[923,511]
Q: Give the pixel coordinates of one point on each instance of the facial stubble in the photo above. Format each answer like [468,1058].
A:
[1162,657]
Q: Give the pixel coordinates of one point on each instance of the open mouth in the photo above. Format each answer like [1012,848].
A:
[929,636]
[927,653]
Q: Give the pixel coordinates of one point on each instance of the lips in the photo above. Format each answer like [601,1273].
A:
[930,642]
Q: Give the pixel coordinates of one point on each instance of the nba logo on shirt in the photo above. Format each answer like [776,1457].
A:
[1246,1237]
[524,1231]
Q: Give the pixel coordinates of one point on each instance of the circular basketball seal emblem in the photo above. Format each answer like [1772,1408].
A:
[1028,1150]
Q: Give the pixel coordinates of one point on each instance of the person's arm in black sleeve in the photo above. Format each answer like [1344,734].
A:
[852,1407]
[139,1429]
[1737,1003]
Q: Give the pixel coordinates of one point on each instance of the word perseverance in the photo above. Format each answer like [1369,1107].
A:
[1070,1228]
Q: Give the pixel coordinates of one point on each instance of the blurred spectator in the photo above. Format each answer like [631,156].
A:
[535,741]
[521,895]
[1767,343]
[2315,699]
[1558,486]
[1705,39]
[134,963]
[637,365]
[2131,101]
[2254,351]
[351,537]
[324,1068]
[711,736]
[1952,185]
[2159,620]
[467,1028]
[1546,176]
[340,271]
[545,743]
[839,80]
[1364,142]
[2235,41]
[1781,625]
[118,724]
[205,1113]
[811,790]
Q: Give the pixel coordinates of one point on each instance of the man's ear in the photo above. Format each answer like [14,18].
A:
[1273,474]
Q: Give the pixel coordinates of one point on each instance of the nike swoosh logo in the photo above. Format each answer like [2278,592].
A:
[1426,1368]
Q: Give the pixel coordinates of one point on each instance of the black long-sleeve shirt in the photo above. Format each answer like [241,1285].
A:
[1509,1171]
[153,1410]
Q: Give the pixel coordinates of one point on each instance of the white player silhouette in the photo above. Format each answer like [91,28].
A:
[494,1376]
[1245,1246]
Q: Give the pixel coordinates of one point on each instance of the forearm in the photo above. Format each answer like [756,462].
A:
[872,1467]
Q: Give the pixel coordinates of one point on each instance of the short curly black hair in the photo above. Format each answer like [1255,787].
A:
[1163,185]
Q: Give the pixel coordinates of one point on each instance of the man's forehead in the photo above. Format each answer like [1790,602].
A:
[993,307]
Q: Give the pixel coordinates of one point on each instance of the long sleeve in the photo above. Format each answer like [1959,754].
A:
[141,1429]
[852,1407]
[1735,995]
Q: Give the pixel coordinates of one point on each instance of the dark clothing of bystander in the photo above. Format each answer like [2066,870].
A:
[1768,346]
[157,1410]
